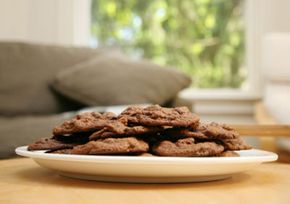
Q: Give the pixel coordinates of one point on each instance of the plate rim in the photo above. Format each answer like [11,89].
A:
[267,157]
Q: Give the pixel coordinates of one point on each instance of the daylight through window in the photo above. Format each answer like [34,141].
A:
[203,38]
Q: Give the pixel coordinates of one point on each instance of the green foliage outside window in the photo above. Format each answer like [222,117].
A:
[203,38]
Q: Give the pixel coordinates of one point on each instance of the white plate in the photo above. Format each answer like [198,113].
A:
[138,169]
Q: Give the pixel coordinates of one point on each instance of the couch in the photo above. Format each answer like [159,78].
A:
[37,92]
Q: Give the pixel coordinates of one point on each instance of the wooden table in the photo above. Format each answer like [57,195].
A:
[23,181]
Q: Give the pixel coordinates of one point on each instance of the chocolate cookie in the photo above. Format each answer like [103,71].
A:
[210,131]
[111,146]
[158,116]
[49,144]
[85,122]
[235,144]
[121,130]
[187,148]
[216,131]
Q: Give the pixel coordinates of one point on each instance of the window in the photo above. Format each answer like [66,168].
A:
[203,38]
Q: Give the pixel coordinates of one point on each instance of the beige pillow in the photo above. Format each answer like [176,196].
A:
[114,80]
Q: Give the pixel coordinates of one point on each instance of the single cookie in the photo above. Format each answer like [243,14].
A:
[229,154]
[158,116]
[187,148]
[49,144]
[211,131]
[111,146]
[201,133]
[120,130]
[85,122]
[216,131]
[235,144]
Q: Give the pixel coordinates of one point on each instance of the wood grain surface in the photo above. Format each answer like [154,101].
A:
[23,181]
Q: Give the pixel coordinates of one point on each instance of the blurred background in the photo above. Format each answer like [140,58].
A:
[235,52]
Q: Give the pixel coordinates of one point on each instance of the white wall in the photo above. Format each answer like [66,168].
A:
[276,16]
[275,61]
[13,19]
[46,21]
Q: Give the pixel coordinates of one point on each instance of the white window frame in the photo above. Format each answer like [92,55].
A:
[253,87]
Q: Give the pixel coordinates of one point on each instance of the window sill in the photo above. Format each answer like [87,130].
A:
[221,101]
[219,95]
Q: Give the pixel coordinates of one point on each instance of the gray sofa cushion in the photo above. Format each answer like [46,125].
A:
[115,80]
[25,73]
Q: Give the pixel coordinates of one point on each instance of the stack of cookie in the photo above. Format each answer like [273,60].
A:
[153,130]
